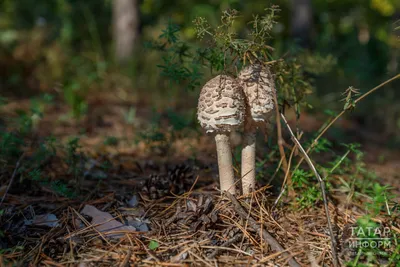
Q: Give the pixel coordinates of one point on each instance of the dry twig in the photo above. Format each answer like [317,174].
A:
[125,262]
[323,131]
[12,178]
[323,191]
[268,238]
[228,242]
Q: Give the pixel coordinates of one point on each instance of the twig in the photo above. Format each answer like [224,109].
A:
[125,262]
[149,252]
[12,178]
[323,190]
[199,258]
[227,243]
[266,236]
[376,88]
[285,183]
[341,114]
[280,138]
[174,217]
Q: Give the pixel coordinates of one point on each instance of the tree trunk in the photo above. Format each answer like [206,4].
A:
[125,31]
[301,21]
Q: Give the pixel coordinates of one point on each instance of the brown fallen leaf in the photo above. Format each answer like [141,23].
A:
[105,223]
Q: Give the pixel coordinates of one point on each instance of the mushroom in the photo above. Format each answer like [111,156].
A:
[221,110]
[259,90]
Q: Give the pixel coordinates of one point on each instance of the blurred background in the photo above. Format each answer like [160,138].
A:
[100,66]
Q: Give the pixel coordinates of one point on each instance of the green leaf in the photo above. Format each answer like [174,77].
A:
[153,245]
[170,33]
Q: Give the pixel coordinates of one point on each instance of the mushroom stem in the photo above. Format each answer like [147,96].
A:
[249,162]
[226,176]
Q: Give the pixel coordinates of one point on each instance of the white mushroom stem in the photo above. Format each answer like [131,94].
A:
[248,174]
[226,176]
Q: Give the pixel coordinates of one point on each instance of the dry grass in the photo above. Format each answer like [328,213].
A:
[198,228]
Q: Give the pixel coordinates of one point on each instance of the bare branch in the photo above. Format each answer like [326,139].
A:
[323,191]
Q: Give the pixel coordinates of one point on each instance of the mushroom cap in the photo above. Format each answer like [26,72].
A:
[221,106]
[259,89]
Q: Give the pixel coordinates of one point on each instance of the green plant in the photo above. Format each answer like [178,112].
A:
[307,191]
[11,250]
[62,189]
[226,41]
[381,197]
[178,121]
[35,175]
[73,97]
[11,145]
[373,243]
[74,158]
[130,116]
[28,120]
[323,145]
[182,62]
[42,154]
[111,141]
[179,64]
[292,85]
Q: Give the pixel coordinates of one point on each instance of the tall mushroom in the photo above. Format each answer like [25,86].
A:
[221,110]
[259,90]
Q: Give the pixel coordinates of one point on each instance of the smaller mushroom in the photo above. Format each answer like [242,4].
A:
[220,111]
[259,90]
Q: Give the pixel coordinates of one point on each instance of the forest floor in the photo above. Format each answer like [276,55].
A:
[117,199]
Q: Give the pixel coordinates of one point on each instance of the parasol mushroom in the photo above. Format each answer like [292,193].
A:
[259,90]
[221,110]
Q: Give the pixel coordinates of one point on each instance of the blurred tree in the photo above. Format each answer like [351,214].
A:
[126,26]
[301,21]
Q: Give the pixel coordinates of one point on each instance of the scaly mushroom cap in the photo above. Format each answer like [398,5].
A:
[259,88]
[221,105]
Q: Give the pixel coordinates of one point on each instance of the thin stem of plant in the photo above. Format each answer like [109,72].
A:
[285,182]
[323,191]
[279,136]
[12,178]
[323,131]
